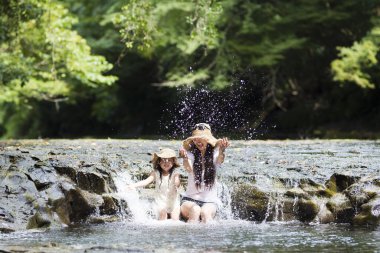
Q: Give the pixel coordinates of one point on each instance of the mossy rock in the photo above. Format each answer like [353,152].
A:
[249,202]
[307,210]
[39,220]
[297,193]
[340,182]
[370,213]
[324,215]
[284,209]
[358,195]
[315,189]
[340,205]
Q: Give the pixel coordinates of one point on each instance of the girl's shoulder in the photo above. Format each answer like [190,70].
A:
[153,173]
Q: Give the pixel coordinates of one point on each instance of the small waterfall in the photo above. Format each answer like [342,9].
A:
[140,209]
[225,212]
[275,207]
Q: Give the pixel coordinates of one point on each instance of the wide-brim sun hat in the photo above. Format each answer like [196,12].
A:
[165,153]
[201,131]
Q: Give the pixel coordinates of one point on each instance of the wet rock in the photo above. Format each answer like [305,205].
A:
[315,189]
[110,205]
[297,193]
[360,194]
[6,216]
[92,181]
[54,193]
[38,220]
[249,203]
[341,208]
[370,213]
[16,182]
[103,219]
[76,205]
[340,182]
[80,205]
[376,181]
[68,171]
[6,227]
[42,177]
[282,209]
[307,210]
[324,215]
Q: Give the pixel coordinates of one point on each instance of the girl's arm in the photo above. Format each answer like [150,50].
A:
[186,161]
[144,182]
[177,180]
[224,143]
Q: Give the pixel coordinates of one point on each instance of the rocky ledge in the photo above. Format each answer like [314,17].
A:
[63,182]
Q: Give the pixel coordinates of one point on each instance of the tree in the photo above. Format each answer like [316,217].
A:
[42,58]
[358,63]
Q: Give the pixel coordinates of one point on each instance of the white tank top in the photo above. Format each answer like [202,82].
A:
[203,194]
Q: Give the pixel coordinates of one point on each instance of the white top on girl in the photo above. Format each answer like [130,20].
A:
[166,194]
[203,193]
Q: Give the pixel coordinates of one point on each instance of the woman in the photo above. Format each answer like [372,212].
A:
[202,156]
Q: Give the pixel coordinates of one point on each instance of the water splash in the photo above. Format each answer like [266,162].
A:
[225,209]
[140,209]
[225,111]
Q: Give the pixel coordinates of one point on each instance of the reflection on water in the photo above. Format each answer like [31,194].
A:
[225,236]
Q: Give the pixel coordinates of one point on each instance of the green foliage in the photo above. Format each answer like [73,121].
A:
[208,41]
[358,63]
[173,31]
[42,57]
[281,51]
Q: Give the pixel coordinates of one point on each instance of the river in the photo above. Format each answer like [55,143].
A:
[290,160]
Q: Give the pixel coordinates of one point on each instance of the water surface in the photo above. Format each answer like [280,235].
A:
[225,236]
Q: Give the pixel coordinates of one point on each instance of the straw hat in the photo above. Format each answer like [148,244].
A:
[165,153]
[202,131]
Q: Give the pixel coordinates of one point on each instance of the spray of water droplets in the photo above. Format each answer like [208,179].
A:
[226,111]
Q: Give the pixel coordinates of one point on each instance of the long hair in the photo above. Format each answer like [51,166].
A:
[159,169]
[210,171]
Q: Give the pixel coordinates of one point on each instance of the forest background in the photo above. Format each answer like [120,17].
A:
[146,68]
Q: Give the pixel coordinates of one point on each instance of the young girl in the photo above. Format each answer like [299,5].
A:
[167,182]
[202,156]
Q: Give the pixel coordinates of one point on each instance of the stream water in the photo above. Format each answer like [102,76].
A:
[225,236]
[281,159]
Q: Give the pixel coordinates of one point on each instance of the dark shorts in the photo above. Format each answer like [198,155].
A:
[198,202]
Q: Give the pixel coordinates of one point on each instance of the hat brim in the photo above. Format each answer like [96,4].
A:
[187,144]
[155,159]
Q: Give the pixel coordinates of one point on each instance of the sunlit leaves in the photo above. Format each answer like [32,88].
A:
[358,63]
[44,58]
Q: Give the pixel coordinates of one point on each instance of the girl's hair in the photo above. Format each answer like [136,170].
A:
[159,169]
[210,171]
